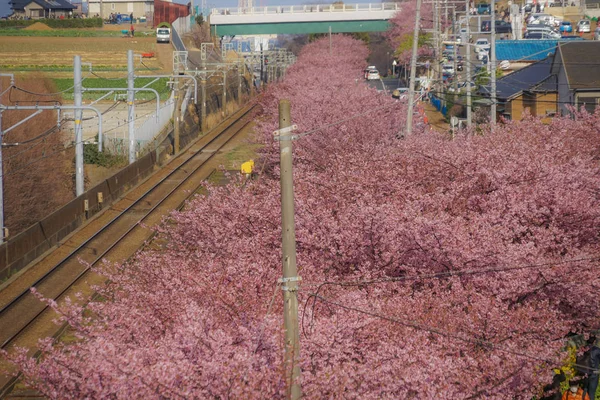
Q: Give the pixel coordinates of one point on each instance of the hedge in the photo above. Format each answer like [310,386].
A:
[55,23]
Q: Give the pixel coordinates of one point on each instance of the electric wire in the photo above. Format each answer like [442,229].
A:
[425,328]
[40,136]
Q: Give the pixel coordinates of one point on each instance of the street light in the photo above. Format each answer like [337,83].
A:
[394,63]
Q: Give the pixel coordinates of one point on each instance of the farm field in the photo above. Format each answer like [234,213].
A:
[55,54]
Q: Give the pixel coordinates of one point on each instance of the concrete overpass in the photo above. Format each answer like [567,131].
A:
[304,19]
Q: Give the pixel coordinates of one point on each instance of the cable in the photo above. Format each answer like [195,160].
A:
[429,329]
[63,149]
[7,89]
[449,274]
[46,133]
[48,94]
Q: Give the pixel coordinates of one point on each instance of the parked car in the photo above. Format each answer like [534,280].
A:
[448,69]
[551,33]
[163,35]
[482,44]
[483,8]
[368,69]
[597,34]
[503,27]
[583,26]
[400,93]
[482,54]
[373,75]
[566,27]
[540,35]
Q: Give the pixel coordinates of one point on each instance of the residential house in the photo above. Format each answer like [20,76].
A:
[531,88]
[576,66]
[139,8]
[37,9]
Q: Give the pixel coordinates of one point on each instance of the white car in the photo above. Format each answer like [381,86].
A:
[481,54]
[372,75]
[583,26]
[448,69]
[482,44]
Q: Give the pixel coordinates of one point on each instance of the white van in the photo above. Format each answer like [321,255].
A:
[163,35]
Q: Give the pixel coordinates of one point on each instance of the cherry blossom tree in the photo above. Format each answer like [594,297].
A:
[431,267]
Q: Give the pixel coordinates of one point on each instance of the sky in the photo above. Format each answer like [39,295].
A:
[5,8]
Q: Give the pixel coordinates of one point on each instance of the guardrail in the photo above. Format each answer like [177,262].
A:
[362,7]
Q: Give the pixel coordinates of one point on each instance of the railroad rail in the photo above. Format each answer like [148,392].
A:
[113,235]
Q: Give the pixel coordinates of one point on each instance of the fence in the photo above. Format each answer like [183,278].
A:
[183,25]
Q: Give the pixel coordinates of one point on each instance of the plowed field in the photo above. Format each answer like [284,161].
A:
[47,52]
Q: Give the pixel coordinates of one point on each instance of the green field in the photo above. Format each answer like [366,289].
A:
[66,85]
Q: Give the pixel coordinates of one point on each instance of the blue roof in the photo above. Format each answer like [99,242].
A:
[524,50]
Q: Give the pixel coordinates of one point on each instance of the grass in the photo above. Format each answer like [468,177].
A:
[66,84]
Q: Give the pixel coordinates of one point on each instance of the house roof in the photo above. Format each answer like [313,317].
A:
[581,60]
[47,4]
[531,77]
[524,50]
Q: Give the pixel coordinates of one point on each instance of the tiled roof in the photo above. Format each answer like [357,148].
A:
[47,4]
[581,61]
[525,79]
[524,50]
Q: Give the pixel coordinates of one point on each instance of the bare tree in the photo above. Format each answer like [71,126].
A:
[38,168]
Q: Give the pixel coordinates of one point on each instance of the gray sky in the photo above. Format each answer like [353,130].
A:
[5,9]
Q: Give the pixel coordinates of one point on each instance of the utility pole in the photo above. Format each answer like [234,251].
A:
[1,177]
[78,98]
[413,71]
[225,91]
[177,117]
[131,107]
[101,11]
[262,64]
[240,76]
[469,115]
[436,45]
[454,47]
[330,40]
[492,61]
[203,57]
[290,280]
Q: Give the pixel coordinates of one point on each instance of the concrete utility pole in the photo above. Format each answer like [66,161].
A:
[1,178]
[289,283]
[454,47]
[131,106]
[78,98]
[225,91]
[177,117]
[436,45]
[413,71]
[469,115]
[240,76]
[492,61]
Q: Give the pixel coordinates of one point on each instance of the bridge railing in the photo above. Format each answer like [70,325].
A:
[308,8]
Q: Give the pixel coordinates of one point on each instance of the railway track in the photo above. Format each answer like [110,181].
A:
[114,235]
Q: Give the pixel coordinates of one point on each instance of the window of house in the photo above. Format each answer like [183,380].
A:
[112,6]
[590,103]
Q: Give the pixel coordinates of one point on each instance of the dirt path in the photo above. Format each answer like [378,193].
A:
[436,119]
